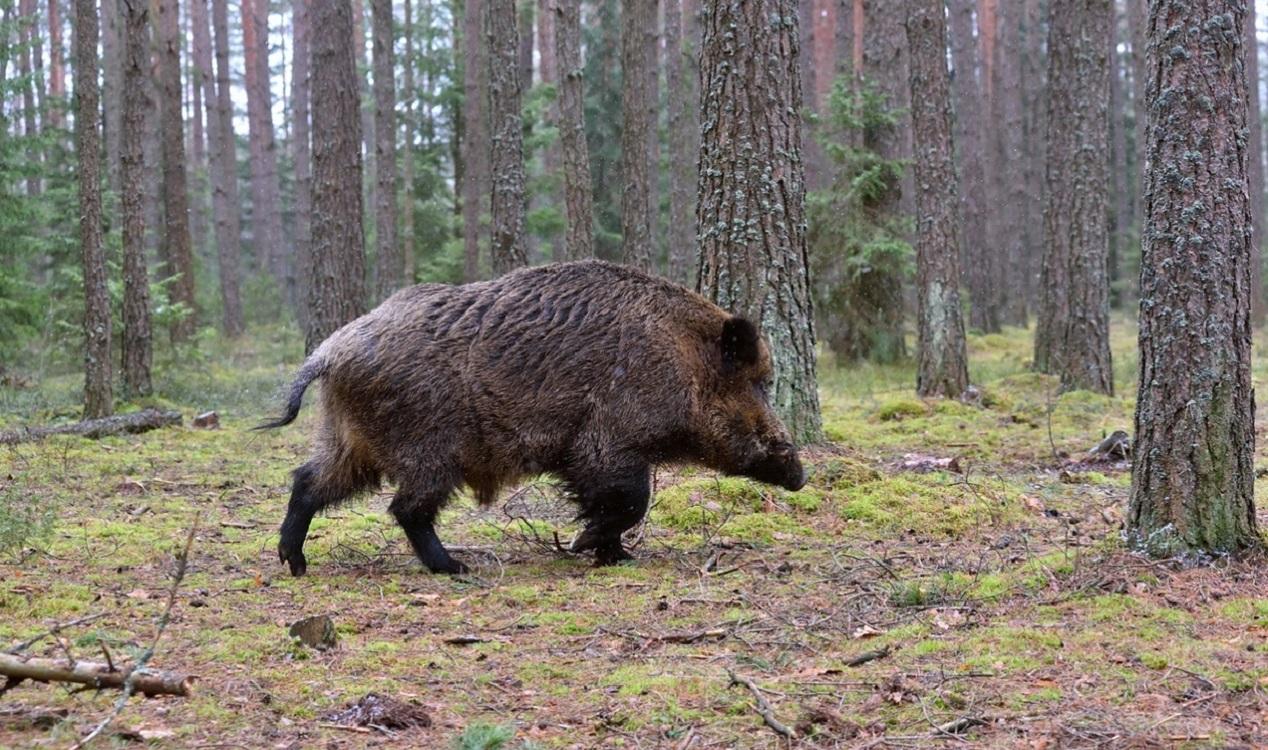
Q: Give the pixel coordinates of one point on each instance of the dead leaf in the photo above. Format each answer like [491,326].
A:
[864,631]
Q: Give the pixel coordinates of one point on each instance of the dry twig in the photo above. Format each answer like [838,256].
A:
[763,707]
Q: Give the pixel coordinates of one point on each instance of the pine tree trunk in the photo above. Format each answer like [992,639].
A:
[550,193]
[30,107]
[753,258]
[578,199]
[1072,336]
[389,263]
[475,131]
[1255,171]
[180,261]
[1009,200]
[507,203]
[679,84]
[983,294]
[137,336]
[111,87]
[336,286]
[1120,185]
[98,400]
[637,19]
[1193,475]
[367,107]
[56,66]
[942,365]
[301,29]
[652,78]
[1137,19]
[1034,144]
[409,126]
[198,195]
[266,217]
[224,171]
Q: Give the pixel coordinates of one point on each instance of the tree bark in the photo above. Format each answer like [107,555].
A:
[508,249]
[1255,170]
[966,90]
[301,28]
[137,334]
[1193,475]
[681,82]
[336,287]
[753,258]
[97,427]
[475,141]
[1137,19]
[390,263]
[266,217]
[637,21]
[942,365]
[578,199]
[98,399]
[1072,336]
[1009,170]
[1034,143]
[224,171]
[56,66]
[111,87]
[180,261]
[198,195]
[409,125]
[1119,185]
[92,674]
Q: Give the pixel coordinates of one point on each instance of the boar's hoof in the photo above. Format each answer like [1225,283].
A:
[610,554]
[451,567]
[295,559]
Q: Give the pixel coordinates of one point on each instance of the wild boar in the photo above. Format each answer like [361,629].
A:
[589,371]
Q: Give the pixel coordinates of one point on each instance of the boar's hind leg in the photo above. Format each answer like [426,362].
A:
[416,515]
[610,503]
[311,491]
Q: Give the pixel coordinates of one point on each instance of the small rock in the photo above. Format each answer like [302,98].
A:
[208,420]
[315,632]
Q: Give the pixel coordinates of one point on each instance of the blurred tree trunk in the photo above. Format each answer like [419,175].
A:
[1255,170]
[197,187]
[507,249]
[637,23]
[336,285]
[475,131]
[98,398]
[1119,185]
[1137,19]
[366,103]
[684,144]
[1193,474]
[1072,335]
[137,336]
[56,66]
[389,261]
[1034,143]
[111,87]
[301,30]
[994,253]
[578,198]
[409,125]
[1009,173]
[753,258]
[28,34]
[968,132]
[180,260]
[550,193]
[266,216]
[224,172]
[942,365]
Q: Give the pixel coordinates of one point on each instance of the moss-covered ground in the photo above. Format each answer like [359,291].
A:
[956,541]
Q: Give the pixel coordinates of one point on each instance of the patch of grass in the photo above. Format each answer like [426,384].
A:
[897,409]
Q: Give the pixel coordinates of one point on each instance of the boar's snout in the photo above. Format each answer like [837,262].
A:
[779,466]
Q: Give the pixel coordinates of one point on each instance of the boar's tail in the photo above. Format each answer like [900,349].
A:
[314,368]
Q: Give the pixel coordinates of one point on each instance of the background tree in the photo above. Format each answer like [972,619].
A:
[475,135]
[942,366]
[176,253]
[751,210]
[681,76]
[336,281]
[1072,336]
[98,398]
[266,216]
[1193,474]
[302,154]
[638,20]
[389,261]
[137,344]
[224,172]
[507,248]
[578,200]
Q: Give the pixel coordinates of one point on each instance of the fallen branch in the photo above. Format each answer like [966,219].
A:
[763,708]
[135,422]
[92,674]
[957,726]
[867,656]
[692,636]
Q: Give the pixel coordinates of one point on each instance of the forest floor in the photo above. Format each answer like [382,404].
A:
[964,548]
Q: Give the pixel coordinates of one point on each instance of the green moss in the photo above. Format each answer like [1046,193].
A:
[807,500]
[901,408]
[1153,660]
[702,503]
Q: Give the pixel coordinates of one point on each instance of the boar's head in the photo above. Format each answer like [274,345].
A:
[745,436]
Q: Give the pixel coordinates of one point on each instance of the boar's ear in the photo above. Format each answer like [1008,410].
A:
[739,344]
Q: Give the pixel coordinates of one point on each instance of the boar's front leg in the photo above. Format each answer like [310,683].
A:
[611,503]
[417,514]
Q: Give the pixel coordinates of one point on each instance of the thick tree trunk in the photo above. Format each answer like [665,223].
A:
[98,399]
[507,249]
[301,28]
[266,216]
[942,365]
[137,334]
[223,164]
[336,286]
[1193,475]
[637,23]
[389,263]
[970,145]
[179,257]
[1255,171]
[98,427]
[753,258]
[475,131]
[578,199]
[1072,336]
